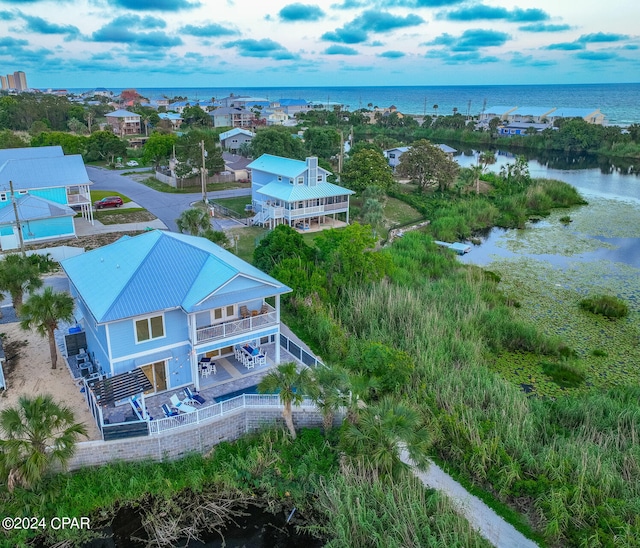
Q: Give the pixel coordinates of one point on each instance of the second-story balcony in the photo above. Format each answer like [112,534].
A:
[235,327]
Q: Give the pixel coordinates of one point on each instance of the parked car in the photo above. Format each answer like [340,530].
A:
[132,163]
[109,201]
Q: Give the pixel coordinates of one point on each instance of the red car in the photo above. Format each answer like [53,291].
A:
[109,201]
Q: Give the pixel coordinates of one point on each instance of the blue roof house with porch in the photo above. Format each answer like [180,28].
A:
[160,302]
[295,192]
[45,184]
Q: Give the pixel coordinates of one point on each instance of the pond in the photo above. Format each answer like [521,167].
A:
[549,266]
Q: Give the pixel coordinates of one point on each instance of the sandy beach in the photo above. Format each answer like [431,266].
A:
[28,371]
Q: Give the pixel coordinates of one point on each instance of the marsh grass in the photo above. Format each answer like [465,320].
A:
[564,373]
[606,305]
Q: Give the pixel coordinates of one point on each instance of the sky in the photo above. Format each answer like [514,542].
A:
[262,43]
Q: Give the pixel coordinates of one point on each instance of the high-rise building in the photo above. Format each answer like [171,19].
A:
[12,81]
[20,80]
[3,82]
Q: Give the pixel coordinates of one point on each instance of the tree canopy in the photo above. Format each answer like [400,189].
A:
[428,166]
[279,141]
[367,167]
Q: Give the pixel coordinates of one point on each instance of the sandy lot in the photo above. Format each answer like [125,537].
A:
[28,371]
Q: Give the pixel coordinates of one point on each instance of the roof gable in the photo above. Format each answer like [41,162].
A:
[157,271]
[47,172]
[31,208]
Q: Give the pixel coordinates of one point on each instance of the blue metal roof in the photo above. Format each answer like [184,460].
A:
[531,111]
[282,190]
[121,113]
[158,271]
[277,165]
[59,171]
[292,102]
[30,152]
[31,208]
[235,131]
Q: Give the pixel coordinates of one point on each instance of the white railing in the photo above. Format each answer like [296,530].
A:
[203,414]
[228,329]
[78,199]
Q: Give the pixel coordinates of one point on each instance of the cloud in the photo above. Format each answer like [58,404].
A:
[9,42]
[340,50]
[520,60]
[600,37]
[7,16]
[386,22]
[544,27]
[42,26]
[481,11]
[301,12]
[346,35]
[155,5]
[260,48]
[471,40]
[391,54]
[596,55]
[566,46]
[129,29]
[348,5]
[472,57]
[210,30]
[357,31]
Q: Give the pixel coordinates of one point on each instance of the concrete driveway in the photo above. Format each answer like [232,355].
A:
[167,207]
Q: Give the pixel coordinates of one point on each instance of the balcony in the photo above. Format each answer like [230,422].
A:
[237,327]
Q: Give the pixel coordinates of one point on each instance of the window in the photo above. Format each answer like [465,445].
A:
[392,155]
[149,328]
[3,196]
[279,177]
[320,178]
[300,180]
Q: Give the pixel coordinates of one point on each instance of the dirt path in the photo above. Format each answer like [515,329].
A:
[482,518]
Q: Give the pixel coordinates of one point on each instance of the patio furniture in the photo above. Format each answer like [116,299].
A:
[192,397]
[244,312]
[264,309]
[138,410]
[261,359]
[180,405]
[168,412]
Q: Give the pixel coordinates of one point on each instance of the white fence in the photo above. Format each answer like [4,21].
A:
[220,409]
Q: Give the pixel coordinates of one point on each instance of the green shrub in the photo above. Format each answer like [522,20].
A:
[565,220]
[605,305]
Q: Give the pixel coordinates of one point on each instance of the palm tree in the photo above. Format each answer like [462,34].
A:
[484,159]
[382,432]
[328,392]
[360,389]
[435,110]
[43,312]
[36,434]
[193,221]
[289,383]
[19,274]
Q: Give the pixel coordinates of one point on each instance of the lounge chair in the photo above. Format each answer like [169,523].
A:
[168,412]
[244,312]
[192,397]
[264,309]
[180,405]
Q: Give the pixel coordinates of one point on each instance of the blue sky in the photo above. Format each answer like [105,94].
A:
[193,43]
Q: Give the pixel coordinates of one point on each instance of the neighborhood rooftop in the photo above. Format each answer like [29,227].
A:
[285,167]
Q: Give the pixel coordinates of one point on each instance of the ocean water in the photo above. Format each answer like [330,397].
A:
[619,102]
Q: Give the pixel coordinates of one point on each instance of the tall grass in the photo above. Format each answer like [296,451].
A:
[364,511]
[570,463]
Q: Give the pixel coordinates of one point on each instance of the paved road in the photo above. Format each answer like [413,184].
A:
[482,518]
[167,207]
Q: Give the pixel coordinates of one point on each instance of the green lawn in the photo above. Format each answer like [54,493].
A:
[246,241]
[399,213]
[235,204]
[153,183]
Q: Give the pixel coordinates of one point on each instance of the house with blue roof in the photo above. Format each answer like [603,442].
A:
[393,154]
[124,122]
[46,186]
[160,302]
[295,192]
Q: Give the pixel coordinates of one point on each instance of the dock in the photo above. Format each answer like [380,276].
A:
[458,247]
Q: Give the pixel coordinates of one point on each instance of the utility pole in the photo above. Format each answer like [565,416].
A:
[203,171]
[341,154]
[15,212]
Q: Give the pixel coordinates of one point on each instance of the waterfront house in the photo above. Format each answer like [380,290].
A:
[46,185]
[393,154]
[295,192]
[157,304]
[123,122]
[521,128]
[232,117]
[497,111]
[532,115]
[233,139]
[591,115]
